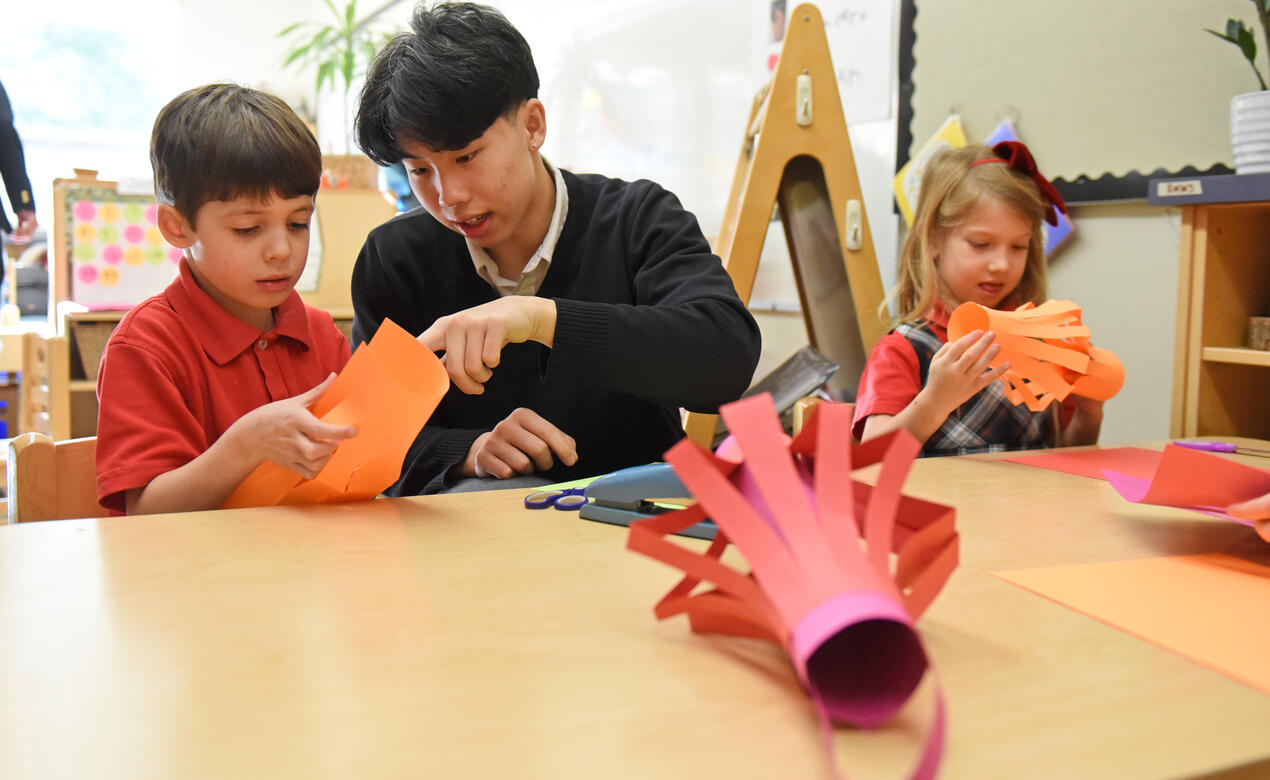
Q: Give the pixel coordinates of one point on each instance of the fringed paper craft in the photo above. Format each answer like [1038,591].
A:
[842,611]
[388,390]
[1048,350]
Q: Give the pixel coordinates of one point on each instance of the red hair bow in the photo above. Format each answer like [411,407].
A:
[1016,155]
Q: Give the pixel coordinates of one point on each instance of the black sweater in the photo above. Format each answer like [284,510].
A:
[647,321]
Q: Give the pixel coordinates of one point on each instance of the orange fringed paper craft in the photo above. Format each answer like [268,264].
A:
[388,390]
[843,612]
[1048,349]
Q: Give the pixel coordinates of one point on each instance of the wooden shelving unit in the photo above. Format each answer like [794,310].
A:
[1221,387]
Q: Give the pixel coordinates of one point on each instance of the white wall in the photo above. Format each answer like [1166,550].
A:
[1121,267]
[650,88]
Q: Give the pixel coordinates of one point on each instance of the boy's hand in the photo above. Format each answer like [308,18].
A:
[473,339]
[520,444]
[960,369]
[288,434]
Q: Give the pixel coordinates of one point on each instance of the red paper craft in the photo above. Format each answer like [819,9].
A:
[1134,461]
[843,612]
[388,390]
[1190,479]
[1048,349]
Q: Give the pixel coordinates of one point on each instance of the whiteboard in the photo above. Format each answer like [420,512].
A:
[662,89]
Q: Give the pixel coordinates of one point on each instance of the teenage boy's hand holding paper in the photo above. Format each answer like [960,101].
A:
[389,388]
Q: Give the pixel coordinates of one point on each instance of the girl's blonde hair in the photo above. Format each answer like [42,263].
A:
[951,188]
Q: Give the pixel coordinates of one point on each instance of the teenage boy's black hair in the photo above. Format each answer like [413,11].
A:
[460,68]
[224,141]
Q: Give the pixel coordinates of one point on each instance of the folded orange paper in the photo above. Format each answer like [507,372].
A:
[388,390]
[1048,350]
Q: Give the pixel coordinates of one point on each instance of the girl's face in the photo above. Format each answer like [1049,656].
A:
[983,258]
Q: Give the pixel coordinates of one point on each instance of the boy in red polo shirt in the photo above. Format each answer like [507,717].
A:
[202,383]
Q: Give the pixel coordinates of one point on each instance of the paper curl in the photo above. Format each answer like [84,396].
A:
[842,612]
[1048,350]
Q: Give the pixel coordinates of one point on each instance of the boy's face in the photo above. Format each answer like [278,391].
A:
[246,253]
[486,191]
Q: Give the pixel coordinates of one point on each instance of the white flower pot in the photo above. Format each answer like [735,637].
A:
[1250,131]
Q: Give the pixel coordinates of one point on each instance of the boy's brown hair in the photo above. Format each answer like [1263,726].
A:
[951,187]
[225,141]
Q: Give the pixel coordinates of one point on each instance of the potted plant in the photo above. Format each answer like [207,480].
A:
[338,52]
[1250,111]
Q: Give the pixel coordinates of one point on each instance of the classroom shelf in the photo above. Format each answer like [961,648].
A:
[1238,355]
[1221,388]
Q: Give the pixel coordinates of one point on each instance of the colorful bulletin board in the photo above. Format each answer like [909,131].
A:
[109,252]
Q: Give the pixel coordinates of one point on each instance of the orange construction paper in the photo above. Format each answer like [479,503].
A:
[1133,461]
[388,390]
[843,611]
[1208,608]
[1048,350]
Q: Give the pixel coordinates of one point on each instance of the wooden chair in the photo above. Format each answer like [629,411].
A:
[52,480]
[44,404]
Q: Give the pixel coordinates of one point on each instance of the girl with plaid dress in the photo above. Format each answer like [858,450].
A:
[976,236]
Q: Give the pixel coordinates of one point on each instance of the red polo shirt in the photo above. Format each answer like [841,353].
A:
[180,369]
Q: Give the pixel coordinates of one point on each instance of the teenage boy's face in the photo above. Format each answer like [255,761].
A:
[246,253]
[483,191]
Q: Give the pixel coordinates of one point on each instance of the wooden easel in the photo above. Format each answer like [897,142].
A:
[796,155]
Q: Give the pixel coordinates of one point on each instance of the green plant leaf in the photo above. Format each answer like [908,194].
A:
[334,11]
[290,28]
[348,68]
[297,53]
[1219,35]
[1247,43]
[350,15]
[326,72]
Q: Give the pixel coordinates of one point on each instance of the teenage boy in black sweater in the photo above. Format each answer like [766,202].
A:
[577,313]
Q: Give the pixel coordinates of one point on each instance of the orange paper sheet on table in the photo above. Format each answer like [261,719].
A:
[388,390]
[1048,350]
[1208,608]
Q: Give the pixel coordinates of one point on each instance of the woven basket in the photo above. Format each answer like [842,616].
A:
[90,339]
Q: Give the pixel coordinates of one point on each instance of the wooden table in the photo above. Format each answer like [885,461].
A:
[464,636]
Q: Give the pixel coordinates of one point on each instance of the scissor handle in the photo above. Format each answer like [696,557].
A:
[571,500]
[567,500]
[541,499]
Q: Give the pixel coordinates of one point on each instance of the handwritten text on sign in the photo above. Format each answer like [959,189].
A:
[861,42]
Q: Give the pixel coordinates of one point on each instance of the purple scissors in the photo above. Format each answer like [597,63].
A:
[1220,446]
[569,499]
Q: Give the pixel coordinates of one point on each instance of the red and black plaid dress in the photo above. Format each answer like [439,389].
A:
[988,422]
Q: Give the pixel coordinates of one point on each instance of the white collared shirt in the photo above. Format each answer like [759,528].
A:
[536,269]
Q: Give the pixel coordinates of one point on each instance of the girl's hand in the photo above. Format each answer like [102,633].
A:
[960,369]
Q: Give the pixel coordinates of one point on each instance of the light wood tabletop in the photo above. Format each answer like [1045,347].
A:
[465,636]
